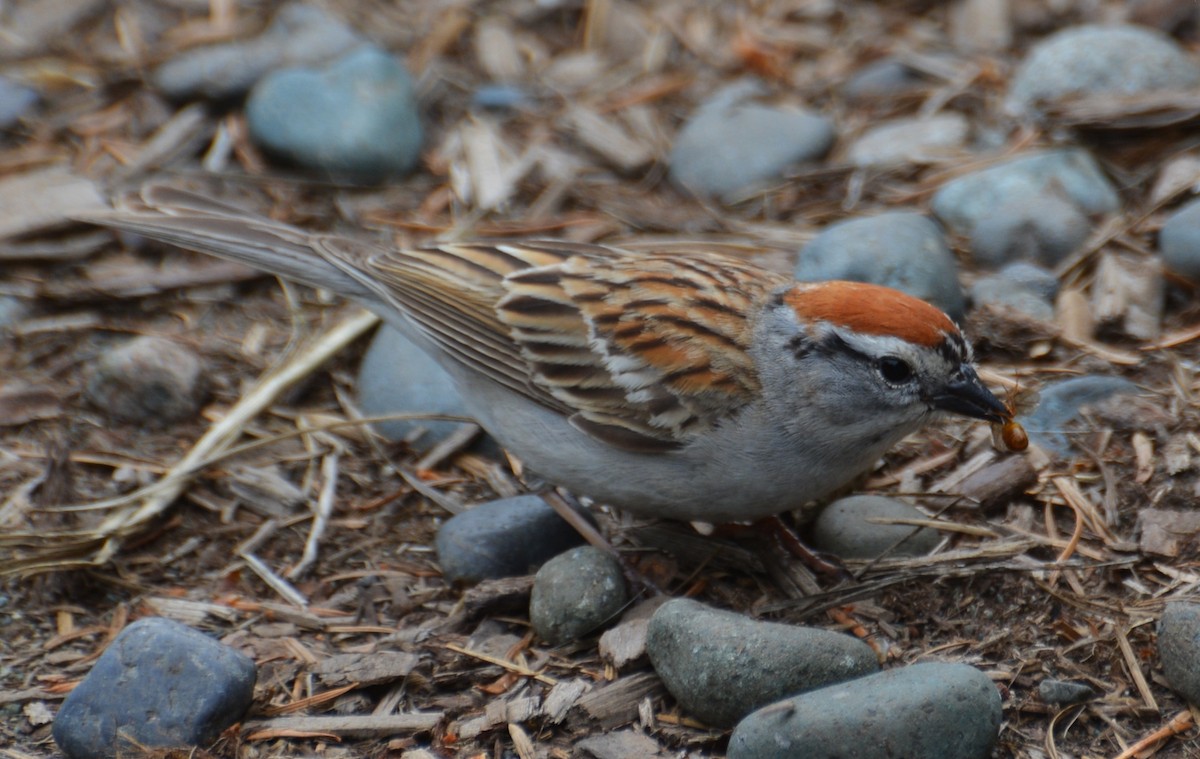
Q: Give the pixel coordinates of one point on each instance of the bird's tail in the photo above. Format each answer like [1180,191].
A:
[191,221]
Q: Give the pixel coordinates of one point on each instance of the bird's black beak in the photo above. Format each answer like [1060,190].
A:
[966,395]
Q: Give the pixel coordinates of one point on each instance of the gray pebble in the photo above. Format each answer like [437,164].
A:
[397,377]
[1096,60]
[148,380]
[500,97]
[160,684]
[502,538]
[910,141]
[575,594]
[16,100]
[948,711]
[844,528]
[1179,241]
[883,79]
[1060,403]
[299,35]
[732,144]
[1042,226]
[356,120]
[1179,648]
[1033,278]
[1007,290]
[899,249]
[13,311]
[1064,692]
[1071,173]
[720,665]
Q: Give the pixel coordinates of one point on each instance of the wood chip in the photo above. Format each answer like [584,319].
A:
[365,669]
[44,200]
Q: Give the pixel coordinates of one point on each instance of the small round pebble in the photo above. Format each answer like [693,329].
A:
[1179,648]
[356,120]
[397,377]
[15,101]
[575,594]
[883,79]
[502,538]
[1042,226]
[13,311]
[899,249]
[1095,60]
[1061,402]
[845,528]
[1072,172]
[1064,692]
[935,709]
[720,666]
[732,143]
[148,380]
[1000,292]
[159,684]
[1179,241]
[299,35]
[500,97]
[910,141]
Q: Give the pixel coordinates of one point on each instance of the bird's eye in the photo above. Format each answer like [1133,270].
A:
[895,370]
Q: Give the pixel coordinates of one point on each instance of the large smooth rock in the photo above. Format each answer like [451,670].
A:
[720,665]
[160,684]
[846,528]
[947,711]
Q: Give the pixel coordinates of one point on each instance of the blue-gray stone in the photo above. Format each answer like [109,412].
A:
[1179,241]
[160,684]
[882,79]
[1060,403]
[1064,692]
[948,711]
[576,593]
[500,97]
[356,120]
[1017,290]
[1042,226]
[299,35]
[845,528]
[397,377]
[899,249]
[15,101]
[1179,648]
[720,666]
[961,203]
[732,143]
[1097,60]
[502,538]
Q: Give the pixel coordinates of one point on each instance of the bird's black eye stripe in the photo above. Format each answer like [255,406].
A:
[895,370]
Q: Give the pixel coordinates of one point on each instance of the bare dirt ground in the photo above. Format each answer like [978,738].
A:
[1049,578]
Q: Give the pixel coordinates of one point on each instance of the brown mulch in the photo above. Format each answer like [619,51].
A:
[1050,569]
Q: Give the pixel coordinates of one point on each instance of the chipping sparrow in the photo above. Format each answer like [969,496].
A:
[688,386]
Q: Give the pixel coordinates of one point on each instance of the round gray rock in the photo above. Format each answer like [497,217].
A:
[1179,241]
[948,711]
[1060,403]
[575,594]
[1179,648]
[1042,226]
[1071,173]
[148,380]
[1095,60]
[720,665]
[899,249]
[299,35]
[1016,290]
[732,144]
[397,377]
[16,100]
[845,528]
[355,120]
[502,538]
[160,684]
